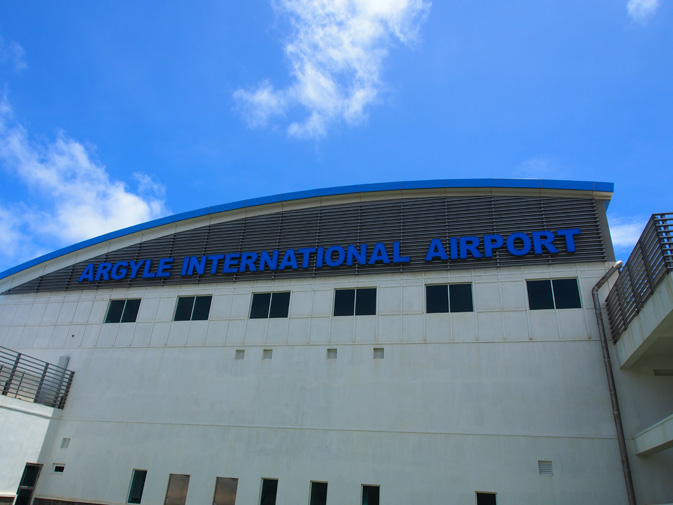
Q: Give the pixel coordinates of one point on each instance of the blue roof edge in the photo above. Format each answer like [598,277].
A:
[606,187]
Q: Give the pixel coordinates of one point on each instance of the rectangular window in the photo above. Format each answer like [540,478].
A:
[331,354]
[267,354]
[358,302]
[137,486]
[486,499]
[59,467]
[318,493]
[193,308]
[269,489]
[269,305]
[370,495]
[378,353]
[225,491]
[240,353]
[24,494]
[555,293]
[445,298]
[122,311]
[178,485]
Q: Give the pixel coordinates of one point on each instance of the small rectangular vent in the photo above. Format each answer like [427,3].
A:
[65,443]
[545,468]
[378,353]
[240,354]
[663,373]
[331,354]
[267,354]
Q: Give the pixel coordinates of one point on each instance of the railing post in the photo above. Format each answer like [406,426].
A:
[10,379]
[41,383]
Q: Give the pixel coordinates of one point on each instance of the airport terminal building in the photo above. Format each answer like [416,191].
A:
[421,342]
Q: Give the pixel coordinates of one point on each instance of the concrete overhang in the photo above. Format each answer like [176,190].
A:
[656,438]
[650,334]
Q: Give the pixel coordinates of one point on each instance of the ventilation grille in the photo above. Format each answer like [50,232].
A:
[545,468]
[413,222]
[331,354]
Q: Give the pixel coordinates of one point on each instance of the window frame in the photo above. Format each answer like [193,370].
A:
[142,486]
[357,309]
[276,301]
[123,312]
[553,290]
[451,294]
[193,308]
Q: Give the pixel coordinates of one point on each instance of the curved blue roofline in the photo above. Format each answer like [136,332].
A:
[607,187]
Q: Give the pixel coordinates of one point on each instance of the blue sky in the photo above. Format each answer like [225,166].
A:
[117,113]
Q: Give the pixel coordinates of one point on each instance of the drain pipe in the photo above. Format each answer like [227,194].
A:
[611,384]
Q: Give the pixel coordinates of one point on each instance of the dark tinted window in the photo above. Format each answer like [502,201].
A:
[566,294]
[137,486]
[486,499]
[370,495]
[318,493]
[30,473]
[269,489]
[201,308]
[114,312]
[540,295]
[365,302]
[460,297]
[280,304]
[131,311]
[225,491]
[344,302]
[436,299]
[260,305]
[183,312]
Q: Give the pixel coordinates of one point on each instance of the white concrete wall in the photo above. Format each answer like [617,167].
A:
[23,428]
[460,403]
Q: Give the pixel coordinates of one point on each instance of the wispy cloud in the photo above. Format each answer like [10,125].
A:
[642,10]
[625,232]
[13,53]
[336,52]
[72,195]
[539,168]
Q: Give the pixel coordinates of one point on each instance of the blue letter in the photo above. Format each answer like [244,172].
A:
[119,270]
[103,271]
[214,258]
[361,256]
[231,263]
[471,246]
[195,264]
[87,274]
[135,266]
[164,264]
[271,261]
[248,260]
[340,256]
[526,244]
[146,271]
[570,241]
[492,242]
[379,254]
[306,255]
[436,250]
[396,254]
[289,260]
[543,238]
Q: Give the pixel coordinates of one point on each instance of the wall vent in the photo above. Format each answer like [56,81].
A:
[378,353]
[240,354]
[545,468]
[331,354]
[267,354]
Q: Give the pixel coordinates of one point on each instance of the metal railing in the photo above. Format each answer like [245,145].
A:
[33,380]
[648,265]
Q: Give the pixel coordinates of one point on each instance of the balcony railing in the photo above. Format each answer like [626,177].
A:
[648,265]
[33,380]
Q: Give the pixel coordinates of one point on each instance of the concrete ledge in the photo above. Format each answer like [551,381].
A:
[654,321]
[656,438]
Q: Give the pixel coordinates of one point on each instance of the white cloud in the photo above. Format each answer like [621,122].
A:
[73,196]
[642,10]
[625,232]
[336,52]
[14,53]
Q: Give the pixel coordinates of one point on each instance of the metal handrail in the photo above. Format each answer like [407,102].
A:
[648,265]
[33,380]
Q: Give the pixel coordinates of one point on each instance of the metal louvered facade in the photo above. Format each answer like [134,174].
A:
[413,222]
